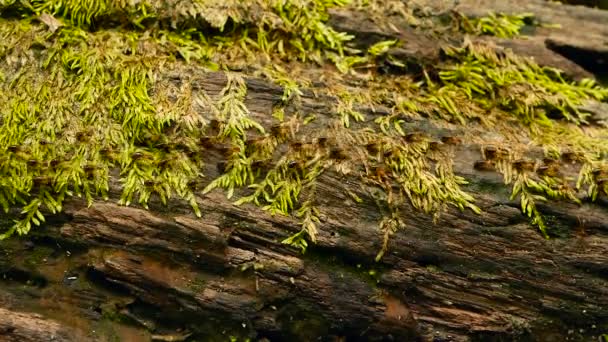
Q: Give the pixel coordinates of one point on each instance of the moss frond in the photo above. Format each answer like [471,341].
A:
[495,24]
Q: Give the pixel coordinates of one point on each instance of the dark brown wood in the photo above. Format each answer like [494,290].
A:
[25,327]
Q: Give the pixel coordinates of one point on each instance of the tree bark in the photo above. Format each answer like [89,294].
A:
[15,326]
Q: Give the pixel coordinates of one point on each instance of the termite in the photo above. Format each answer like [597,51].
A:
[484,165]
[451,140]
[524,165]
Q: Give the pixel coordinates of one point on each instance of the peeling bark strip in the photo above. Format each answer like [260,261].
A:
[24,327]
[110,272]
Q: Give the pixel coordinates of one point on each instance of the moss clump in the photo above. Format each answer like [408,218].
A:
[519,87]
[287,28]
[86,100]
[494,24]
[516,85]
[82,107]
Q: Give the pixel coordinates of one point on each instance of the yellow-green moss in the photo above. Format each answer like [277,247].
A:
[82,104]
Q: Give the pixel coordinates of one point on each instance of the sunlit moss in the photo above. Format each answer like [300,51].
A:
[82,105]
[494,24]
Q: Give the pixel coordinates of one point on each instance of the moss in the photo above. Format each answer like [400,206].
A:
[494,24]
[516,85]
[38,255]
[345,267]
[302,322]
[197,284]
[80,101]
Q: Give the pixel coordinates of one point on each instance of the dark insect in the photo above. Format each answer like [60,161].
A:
[164,163]
[322,141]
[490,152]
[260,164]
[42,181]
[484,165]
[451,140]
[435,145]
[214,124]
[206,142]
[106,151]
[182,147]
[166,147]
[296,146]
[44,142]
[192,185]
[89,169]
[54,163]
[82,136]
[572,157]
[551,170]
[392,153]
[149,182]
[221,166]
[372,148]
[13,148]
[192,154]
[550,161]
[293,164]
[493,152]
[524,165]
[279,131]
[137,155]
[33,163]
[600,173]
[338,154]
[415,137]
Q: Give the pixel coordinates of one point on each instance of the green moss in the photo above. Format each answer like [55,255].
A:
[534,96]
[516,85]
[94,92]
[270,26]
[81,102]
[494,24]
[37,256]
[77,111]
[343,267]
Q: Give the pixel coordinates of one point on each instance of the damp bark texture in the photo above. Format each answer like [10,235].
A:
[110,272]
